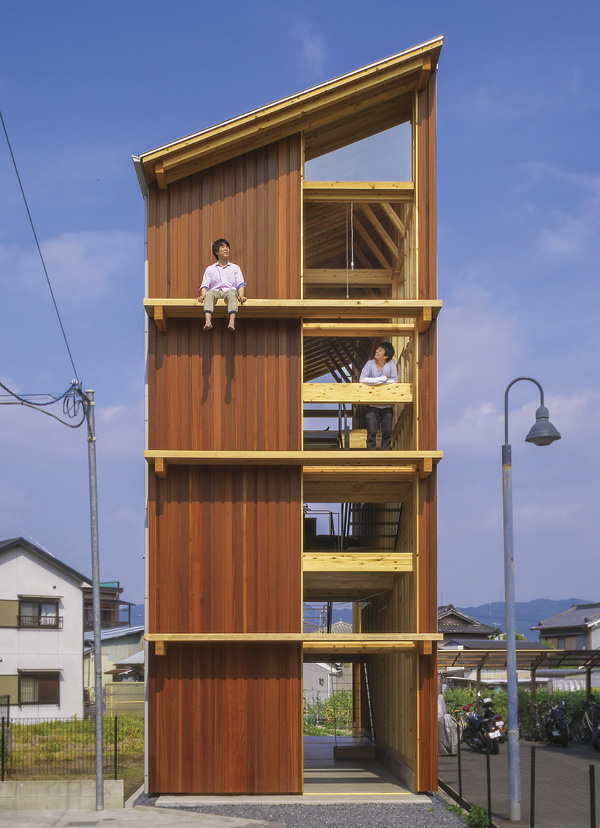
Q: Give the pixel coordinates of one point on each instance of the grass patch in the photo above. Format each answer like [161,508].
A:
[65,749]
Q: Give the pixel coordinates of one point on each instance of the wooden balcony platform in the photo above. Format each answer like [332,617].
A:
[350,472]
[344,644]
[421,310]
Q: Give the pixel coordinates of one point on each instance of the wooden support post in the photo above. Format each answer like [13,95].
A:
[159,318]
[424,320]
[159,172]
[160,467]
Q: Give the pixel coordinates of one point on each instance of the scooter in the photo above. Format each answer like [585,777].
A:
[481,731]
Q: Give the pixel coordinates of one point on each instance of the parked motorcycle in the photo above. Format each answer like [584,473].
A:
[557,725]
[481,730]
[487,710]
[596,726]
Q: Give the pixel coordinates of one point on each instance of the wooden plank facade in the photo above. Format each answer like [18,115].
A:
[228,469]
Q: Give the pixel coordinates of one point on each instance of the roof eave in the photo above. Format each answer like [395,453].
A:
[399,73]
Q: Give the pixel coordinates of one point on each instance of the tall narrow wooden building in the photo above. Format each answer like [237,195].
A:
[333,267]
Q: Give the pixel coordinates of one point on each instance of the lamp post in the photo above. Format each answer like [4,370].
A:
[542,433]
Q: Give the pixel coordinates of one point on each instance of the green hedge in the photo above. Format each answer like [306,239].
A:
[574,700]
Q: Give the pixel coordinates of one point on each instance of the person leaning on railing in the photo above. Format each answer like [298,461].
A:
[378,371]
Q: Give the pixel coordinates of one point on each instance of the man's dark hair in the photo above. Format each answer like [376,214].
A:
[217,244]
[388,348]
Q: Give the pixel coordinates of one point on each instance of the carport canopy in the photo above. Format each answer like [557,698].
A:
[479,654]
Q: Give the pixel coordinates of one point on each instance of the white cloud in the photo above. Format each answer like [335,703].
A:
[568,232]
[82,267]
[120,431]
[549,514]
[312,45]
[502,102]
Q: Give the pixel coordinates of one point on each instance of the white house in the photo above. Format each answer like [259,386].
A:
[41,632]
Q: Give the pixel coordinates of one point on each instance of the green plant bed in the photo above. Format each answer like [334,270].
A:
[66,750]
[325,730]
[331,715]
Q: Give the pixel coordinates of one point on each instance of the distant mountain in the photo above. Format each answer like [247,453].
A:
[527,613]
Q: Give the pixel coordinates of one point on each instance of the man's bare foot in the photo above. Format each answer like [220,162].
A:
[231,328]
[207,327]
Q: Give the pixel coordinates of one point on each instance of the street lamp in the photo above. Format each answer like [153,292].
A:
[542,433]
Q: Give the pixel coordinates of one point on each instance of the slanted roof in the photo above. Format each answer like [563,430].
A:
[134,660]
[115,632]
[451,620]
[11,543]
[341,627]
[331,115]
[579,615]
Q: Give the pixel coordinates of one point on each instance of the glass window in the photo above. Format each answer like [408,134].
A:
[39,688]
[42,614]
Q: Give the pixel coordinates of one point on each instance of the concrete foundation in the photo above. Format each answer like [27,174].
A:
[67,794]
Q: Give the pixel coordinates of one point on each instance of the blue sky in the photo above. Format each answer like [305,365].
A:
[83,88]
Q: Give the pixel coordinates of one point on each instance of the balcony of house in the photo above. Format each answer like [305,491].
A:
[39,613]
[40,622]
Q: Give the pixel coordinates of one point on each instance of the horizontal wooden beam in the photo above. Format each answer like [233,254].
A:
[351,491]
[400,464]
[376,561]
[358,191]
[356,484]
[335,277]
[294,638]
[371,648]
[357,330]
[421,310]
[357,392]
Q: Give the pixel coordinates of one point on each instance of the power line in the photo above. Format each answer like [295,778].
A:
[72,399]
[38,246]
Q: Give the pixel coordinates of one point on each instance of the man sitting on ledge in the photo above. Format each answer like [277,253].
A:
[378,371]
[222,280]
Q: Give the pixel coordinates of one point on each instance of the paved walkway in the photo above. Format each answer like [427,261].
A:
[147,817]
[562,783]
[326,781]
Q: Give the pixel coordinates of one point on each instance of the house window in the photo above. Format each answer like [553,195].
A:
[39,688]
[39,614]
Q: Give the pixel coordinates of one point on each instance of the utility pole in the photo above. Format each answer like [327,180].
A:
[88,402]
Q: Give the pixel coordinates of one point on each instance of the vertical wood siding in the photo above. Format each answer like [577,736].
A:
[254,201]
[426,573]
[219,391]
[225,542]
[224,552]
[226,719]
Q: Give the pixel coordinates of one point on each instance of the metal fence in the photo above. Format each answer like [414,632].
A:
[559,786]
[57,748]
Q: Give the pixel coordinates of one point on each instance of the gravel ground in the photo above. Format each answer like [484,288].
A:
[433,815]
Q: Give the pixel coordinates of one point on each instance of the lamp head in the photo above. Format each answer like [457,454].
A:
[542,433]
